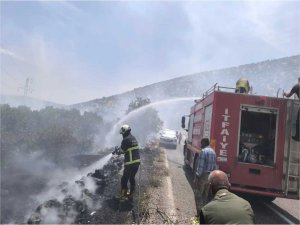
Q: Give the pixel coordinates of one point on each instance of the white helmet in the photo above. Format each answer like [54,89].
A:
[124,129]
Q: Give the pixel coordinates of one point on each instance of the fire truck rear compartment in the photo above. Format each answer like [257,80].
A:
[257,135]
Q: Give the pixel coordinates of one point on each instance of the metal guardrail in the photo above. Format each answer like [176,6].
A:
[214,88]
[220,87]
[210,90]
[279,91]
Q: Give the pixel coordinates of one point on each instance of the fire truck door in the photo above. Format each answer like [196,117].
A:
[256,148]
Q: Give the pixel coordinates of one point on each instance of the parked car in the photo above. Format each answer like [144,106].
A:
[168,138]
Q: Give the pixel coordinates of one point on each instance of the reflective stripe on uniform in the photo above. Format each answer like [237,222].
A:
[130,155]
[134,161]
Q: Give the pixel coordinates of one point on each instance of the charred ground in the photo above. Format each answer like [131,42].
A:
[103,206]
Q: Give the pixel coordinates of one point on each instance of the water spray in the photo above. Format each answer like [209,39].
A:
[109,136]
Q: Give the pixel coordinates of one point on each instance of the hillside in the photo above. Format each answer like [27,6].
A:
[33,103]
[265,77]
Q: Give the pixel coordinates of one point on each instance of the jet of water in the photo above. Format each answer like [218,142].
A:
[113,131]
[97,165]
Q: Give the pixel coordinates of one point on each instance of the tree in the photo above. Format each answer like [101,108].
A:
[137,103]
[146,123]
[56,133]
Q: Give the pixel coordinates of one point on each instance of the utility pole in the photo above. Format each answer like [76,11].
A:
[26,87]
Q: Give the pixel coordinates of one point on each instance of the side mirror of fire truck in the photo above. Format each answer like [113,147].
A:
[183,122]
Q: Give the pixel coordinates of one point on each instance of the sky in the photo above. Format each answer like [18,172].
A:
[75,51]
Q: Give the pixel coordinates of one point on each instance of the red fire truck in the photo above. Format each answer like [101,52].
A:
[251,136]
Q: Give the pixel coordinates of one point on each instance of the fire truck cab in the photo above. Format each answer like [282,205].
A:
[252,138]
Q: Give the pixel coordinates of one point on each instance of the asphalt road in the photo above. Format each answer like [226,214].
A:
[182,188]
[280,211]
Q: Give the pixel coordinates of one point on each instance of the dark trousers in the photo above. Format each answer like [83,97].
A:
[201,191]
[129,174]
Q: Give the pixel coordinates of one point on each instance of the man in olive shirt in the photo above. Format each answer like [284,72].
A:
[226,207]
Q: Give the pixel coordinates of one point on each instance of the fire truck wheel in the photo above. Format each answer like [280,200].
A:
[185,159]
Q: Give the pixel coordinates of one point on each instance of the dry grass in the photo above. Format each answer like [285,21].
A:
[155,182]
[164,171]
[162,156]
[144,207]
[148,208]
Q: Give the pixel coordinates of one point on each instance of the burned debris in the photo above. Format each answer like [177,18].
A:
[78,206]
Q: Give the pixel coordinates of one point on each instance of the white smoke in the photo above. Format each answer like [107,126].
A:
[113,135]
[69,177]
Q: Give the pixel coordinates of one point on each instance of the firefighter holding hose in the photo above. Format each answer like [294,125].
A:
[130,148]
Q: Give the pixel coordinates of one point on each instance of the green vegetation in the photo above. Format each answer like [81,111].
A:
[146,123]
[55,133]
[137,103]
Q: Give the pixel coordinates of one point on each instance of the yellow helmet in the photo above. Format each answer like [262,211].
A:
[242,86]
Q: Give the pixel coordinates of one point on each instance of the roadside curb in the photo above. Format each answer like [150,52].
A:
[172,210]
[159,204]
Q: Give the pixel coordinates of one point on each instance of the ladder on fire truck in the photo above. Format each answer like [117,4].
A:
[292,166]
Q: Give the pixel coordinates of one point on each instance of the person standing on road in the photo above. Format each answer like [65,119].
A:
[179,137]
[130,148]
[226,207]
[206,162]
[295,90]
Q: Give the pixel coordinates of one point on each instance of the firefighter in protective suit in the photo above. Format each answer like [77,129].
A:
[130,148]
[242,86]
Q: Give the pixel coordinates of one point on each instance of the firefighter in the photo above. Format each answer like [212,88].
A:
[226,207]
[130,148]
[242,86]
[295,90]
